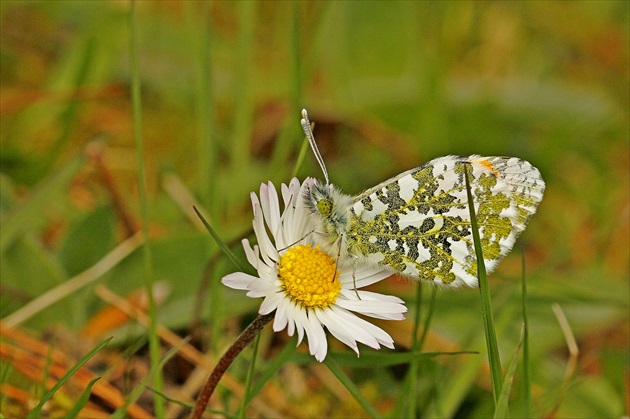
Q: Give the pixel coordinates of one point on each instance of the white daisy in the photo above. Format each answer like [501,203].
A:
[303,283]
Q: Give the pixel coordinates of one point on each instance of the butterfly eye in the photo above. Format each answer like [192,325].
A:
[324,206]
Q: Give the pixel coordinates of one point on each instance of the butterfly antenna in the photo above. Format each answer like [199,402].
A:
[306,126]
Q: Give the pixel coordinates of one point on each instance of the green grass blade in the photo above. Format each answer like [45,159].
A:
[155,370]
[486,305]
[407,404]
[46,372]
[198,16]
[154,342]
[285,355]
[37,410]
[248,379]
[80,404]
[463,382]
[527,387]
[240,145]
[188,405]
[501,410]
[288,139]
[298,163]
[411,382]
[224,247]
[6,369]
[373,359]
[335,368]
[427,320]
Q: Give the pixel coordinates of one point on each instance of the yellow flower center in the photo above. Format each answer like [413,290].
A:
[309,276]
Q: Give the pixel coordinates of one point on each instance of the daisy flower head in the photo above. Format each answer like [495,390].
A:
[304,284]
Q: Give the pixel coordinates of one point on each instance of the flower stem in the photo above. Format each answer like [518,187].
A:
[226,360]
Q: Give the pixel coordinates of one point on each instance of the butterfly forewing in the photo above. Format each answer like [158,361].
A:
[418,222]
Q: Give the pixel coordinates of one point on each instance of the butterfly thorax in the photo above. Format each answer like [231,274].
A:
[330,215]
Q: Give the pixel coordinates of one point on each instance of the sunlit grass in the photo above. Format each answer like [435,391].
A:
[154,342]
[496,371]
[36,412]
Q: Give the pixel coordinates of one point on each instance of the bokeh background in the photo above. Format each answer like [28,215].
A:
[389,85]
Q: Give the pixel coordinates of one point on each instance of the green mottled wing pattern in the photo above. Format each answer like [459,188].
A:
[418,223]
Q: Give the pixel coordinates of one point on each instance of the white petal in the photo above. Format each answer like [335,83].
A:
[267,249]
[267,272]
[375,296]
[290,321]
[317,344]
[300,319]
[354,326]
[280,320]
[269,304]
[371,302]
[251,254]
[261,288]
[378,310]
[336,328]
[270,207]
[364,326]
[286,193]
[239,280]
[255,200]
[289,235]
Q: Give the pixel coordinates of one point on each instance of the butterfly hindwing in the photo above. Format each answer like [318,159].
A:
[418,222]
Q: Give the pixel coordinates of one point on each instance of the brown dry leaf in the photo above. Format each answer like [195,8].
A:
[31,357]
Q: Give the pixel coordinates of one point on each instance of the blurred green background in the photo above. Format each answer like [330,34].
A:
[389,85]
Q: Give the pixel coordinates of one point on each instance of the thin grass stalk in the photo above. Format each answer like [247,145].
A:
[574,352]
[248,379]
[6,369]
[301,156]
[83,399]
[334,367]
[208,147]
[501,410]
[46,373]
[222,245]
[412,376]
[273,367]
[154,343]
[494,360]
[288,139]
[240,145]
[296,55]
[199,14]
[411,383]
[35,413]
[137,392]
[527,390]
[427,320]
[185,405]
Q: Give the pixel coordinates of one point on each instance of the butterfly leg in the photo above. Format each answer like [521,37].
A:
[337,259]
[296,242]
[354,279]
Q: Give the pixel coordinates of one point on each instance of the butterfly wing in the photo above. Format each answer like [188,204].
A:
[418,222]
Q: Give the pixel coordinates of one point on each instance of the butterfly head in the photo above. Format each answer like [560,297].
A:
[330,209]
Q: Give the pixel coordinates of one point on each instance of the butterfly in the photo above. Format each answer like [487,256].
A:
[418,224]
